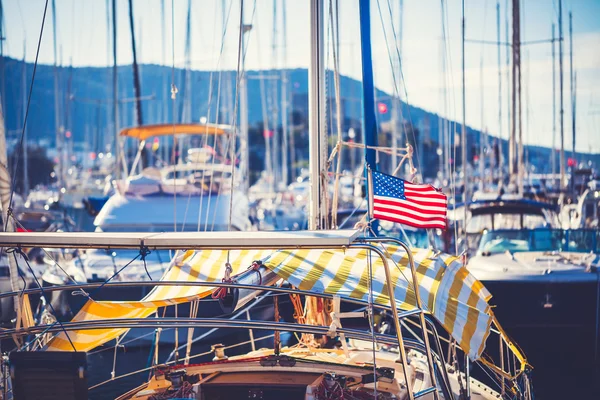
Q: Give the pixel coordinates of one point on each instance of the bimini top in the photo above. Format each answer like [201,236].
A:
[447,290]
[147,131]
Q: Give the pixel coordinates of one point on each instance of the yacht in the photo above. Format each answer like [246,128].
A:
[545,282]
[307,354]
[195,194]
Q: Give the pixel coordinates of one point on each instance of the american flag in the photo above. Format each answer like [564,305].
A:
[419,205]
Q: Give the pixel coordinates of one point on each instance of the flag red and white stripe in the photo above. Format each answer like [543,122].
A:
[417,205]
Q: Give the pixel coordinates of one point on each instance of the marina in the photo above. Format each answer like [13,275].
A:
[363,199]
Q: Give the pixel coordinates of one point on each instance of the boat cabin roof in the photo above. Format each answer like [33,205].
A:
[510,207]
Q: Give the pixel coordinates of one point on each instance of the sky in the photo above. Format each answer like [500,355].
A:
[84,40]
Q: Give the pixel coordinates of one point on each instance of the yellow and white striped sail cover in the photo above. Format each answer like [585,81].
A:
[452,295]
[205,266]
[447,290]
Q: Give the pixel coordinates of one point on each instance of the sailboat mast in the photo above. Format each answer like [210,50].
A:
[58,135]
[165,104]
[284,98]
[24,97]
[244,145]
[572,72]
[136,74]
[508,88]
[368,103]
[316,127]
[499,162]
[396,103]
[482,132]
[2,77]
[515,151]
[517,60]
[370,125]
[560,85]
[553,159]
[463,140]
[187,105]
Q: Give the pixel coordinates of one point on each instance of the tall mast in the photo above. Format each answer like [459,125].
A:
[273,103]
[553,158]
[447,171]
[463,140]
[509,114]
[515,135]
[2,77]
[370,124]
[368,103]
[165,85]
[316,128]
[560,84]
[244,145]
[187,105]
[25,155]
[482,132]
[517,59]
[396,102]
[499,161]
[284,98]
[58,136]
[120,158]
[136,74]
[573,119]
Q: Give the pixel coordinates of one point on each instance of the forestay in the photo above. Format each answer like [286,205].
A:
[448,291]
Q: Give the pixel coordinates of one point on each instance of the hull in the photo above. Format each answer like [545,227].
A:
[556,324]
[162,212]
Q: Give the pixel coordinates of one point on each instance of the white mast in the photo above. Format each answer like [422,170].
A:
[560,102]
[396,102]
[463,141]
[499,161]
[284,99]
[316,106]
[244,147]
[482,133]
[57,127]
[553,158]
[573,87]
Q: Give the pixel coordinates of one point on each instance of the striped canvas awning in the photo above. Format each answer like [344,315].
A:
[205,266]
[448,291]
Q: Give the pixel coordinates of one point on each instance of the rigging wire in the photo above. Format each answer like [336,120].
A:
[395,80]
[208,112]
[51,257]
[24,256]
[451,142]
[173,104]
[231,143]
[20,148]
[217,119]
[235,111]
[174,361]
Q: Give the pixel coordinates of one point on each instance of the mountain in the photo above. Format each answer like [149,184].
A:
[85,97]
